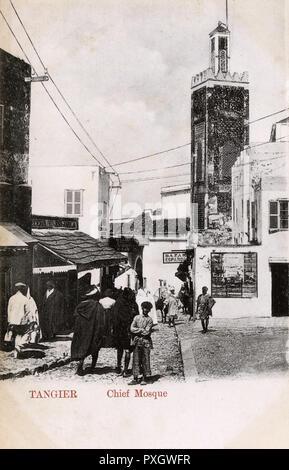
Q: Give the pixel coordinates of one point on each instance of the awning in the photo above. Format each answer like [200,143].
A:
[278,259]
[54,269]
[12,236]
[79,248]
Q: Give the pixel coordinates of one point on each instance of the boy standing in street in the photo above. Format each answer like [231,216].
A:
[141,329]
[205,304]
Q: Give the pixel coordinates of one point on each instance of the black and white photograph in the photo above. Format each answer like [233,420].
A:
[144,244]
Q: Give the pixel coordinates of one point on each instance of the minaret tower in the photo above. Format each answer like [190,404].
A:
[219,118]
[220,49]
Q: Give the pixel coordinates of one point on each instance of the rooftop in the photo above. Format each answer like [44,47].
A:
[79,248]
[176,188]
[221,28]
[12,236]
[209,75]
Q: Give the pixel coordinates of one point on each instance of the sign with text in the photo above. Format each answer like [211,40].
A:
[42,222]
[170,257]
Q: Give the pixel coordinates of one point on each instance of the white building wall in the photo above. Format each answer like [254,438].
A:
[153,266]
[176,202]
[48,193]
[274,244]
[235,307]
[241,193]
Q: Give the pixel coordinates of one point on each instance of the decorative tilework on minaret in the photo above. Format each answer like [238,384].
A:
[219,117]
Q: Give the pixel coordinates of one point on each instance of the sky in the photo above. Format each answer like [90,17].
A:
[125,67]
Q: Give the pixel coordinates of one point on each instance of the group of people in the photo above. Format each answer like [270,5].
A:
[169,305]
[120,320]
[26,325]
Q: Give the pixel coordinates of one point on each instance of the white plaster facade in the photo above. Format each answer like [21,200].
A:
[50,184]
[259,176]
[238,306]
[153,267]
[176,200]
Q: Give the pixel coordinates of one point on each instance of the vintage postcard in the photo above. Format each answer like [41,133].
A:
[144,260]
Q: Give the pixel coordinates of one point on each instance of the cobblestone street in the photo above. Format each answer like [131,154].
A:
[238,347]
[166,363]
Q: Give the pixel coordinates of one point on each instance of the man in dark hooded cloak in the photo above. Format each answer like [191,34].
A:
[89,329]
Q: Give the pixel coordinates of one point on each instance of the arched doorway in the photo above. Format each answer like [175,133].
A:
[139,270]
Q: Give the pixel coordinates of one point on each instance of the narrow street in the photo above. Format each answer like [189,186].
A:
[166,363]
[238,347]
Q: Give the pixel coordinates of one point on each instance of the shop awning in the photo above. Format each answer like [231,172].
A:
[79,248]
[278,259]
[14,237]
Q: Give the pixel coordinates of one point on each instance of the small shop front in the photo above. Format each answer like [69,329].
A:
[72,259]
[16,255]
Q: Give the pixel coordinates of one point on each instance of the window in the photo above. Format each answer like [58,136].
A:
[73,202]
[200,163]
[213,54]
[253,214]
[278,215]
[234,274]
[283,215]
[1,125]
[223,54]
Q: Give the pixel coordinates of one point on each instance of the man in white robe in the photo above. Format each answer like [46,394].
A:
[18,305]
[23,322]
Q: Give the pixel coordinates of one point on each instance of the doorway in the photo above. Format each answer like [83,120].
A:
[139,270]
[280,288]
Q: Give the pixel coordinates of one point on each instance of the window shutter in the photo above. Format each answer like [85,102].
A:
[273,218]
[283,214]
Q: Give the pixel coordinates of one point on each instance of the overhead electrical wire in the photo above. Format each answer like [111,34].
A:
[155,178]
[152,154]
[280,155]
[49,94]
[155,169]
[87,133]
[60,93]
[189,143]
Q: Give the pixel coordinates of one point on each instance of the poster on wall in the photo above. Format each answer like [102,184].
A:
[233,265]
[234,274]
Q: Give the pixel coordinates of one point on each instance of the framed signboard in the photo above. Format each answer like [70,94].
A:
[234,274]
[174,257]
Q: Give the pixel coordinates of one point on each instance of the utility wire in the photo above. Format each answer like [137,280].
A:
[155,169]
[27,35]
[266,116]
[49,94]
[115,196]
[153,154]
[189,143]
[155,178]
[84,129]
[16,39]
[65,119]
[280,155]
[61,94]
[173,166]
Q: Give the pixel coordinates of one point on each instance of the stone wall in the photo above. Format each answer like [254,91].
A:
[15,194]
[15,97]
